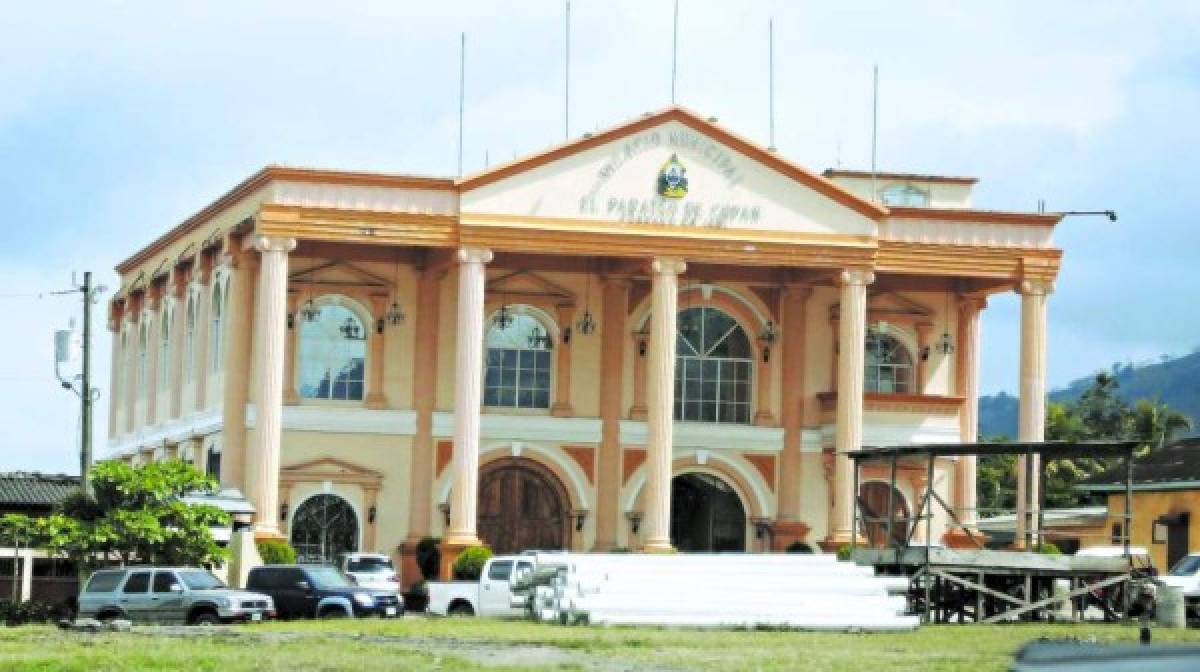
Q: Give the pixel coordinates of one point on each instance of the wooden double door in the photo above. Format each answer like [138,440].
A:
[522,506]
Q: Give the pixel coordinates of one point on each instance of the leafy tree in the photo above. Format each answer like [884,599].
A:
[1098,414]
[136,515]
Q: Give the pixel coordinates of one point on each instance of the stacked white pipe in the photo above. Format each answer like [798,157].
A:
[810,592]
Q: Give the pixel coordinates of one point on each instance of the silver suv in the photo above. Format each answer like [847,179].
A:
[169,595]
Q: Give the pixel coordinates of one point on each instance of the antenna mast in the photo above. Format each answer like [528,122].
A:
[567,78]
[462,80]
[771,79]
[674,49]
[874,128]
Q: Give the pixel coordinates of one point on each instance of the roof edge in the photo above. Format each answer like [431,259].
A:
[998,216]
[914,177]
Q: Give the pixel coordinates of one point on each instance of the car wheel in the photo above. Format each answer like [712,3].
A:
[461,610]
[206,618]
[333,612]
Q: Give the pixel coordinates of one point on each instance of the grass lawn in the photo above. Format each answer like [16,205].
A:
[462,644]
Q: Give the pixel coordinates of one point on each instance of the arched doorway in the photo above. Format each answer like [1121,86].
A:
[522,506]
[873,511]
[706,514]
[323,526]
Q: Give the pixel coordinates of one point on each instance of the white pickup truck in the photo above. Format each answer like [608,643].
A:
[490,596]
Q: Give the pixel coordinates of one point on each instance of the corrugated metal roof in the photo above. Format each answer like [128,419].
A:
[20,489]
[1175,466]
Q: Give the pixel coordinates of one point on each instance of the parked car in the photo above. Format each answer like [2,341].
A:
[491,595]
[1185,576]
[169,595]
[321,591]
[370,570]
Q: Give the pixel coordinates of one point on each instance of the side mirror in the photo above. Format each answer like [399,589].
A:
[304,586]
[176,588]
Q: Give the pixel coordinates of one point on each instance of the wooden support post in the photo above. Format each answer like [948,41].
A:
[854,514]
[891,538]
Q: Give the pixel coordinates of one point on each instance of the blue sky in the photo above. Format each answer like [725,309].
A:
[118,119]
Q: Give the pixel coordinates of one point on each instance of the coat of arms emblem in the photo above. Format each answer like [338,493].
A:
[672,179]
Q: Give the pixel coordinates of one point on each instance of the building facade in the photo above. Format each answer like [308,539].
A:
[657,336]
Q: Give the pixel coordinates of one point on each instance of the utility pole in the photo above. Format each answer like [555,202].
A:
[87,395]
[85,445]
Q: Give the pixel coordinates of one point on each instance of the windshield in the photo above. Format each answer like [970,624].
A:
[370,565]
[328,577]
[1187,566]
[200,580]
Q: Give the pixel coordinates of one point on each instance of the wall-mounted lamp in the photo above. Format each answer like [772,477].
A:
[566,335]
[579,515]
[444,507]
[766,338]
[635,520]
[291,321]
[643,338]
[762,527]
[586,324]
[283,511]
[371,512]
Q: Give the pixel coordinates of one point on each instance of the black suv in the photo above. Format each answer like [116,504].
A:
[307,591]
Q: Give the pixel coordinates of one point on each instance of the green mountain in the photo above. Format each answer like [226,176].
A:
[1175,381]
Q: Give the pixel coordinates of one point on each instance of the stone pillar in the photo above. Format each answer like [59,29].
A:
[790,527]
[468,381]
[132,350]
[969,311]
[376,340]
[154,320]
[612,364]
[200,364]
[561,408]
[290,397]
[427,322]
[270,324]
[660,400]
[852,339]
[180,292]
[1031,418]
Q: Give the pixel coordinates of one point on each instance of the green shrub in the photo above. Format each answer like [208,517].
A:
[1047,548]
[469,564]
[276,552]
[429,557]
[20,613]
[843,552]
[799,547]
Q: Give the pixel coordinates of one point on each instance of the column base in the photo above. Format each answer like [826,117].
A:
[764,419]
[833,542]
[410,571]
[376,401]
[451,549]
[958,538]
[637,413]
[290,398]
[658,547]
[788,532]
[560,410]
[268,533]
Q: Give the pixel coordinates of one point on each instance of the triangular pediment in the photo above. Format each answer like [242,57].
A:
[674,169]
[529,284]
[889,305]
[337,274]
[329,469]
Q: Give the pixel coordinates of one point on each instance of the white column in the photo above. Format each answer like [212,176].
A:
[468,381]
[270,328]
[969,310]
[852,342]
[1031,419]
[660,400]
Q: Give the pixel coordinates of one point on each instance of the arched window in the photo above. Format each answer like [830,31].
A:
[713,367]
[333,353]
[322,527]
[215,337]
[905,194]
[889,367]
[189,339]
[518,365]
[164,350]
[142,355]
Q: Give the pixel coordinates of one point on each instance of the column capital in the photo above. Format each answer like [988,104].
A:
[797,292]
[1035,287]
[474,255]
[855,277]
[968,303]
[263,243]
[667,266]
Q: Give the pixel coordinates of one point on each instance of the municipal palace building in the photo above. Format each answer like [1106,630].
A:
[658,336]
